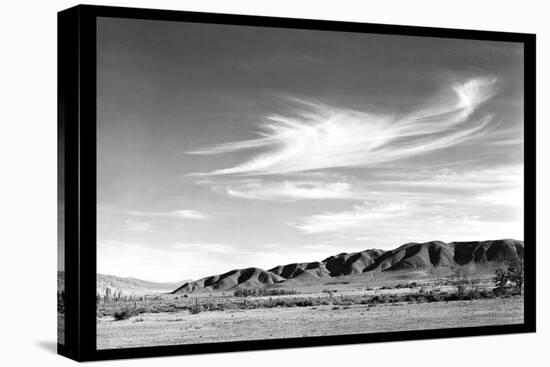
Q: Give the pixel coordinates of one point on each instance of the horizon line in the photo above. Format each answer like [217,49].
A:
[292,263]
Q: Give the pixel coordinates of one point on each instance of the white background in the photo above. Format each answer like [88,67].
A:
[28,182]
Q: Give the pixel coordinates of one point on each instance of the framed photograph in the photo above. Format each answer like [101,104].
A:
[231,183]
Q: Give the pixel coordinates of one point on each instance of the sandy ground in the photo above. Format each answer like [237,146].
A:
[273,323]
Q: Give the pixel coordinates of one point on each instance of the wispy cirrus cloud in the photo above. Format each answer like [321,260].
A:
[181,213]
[146,223]
[500,217]
[288,190]
[473,179]
[360,215]
[188,214]
[410,186]
[318,136]
[478,202]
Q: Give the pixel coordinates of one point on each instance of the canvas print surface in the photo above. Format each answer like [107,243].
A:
[61,238]
[264,183]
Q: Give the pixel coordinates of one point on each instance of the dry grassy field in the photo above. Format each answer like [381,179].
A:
[170,328]
[346,307]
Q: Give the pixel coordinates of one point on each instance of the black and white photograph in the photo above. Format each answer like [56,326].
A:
[258,183]
[275,183]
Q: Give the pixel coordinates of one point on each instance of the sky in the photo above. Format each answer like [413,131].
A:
[223,147]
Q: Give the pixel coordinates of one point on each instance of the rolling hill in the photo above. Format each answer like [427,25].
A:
[437,254]
[410,257]
[132,286]
[239,278]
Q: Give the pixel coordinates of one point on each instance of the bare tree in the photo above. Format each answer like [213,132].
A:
[516,274]
[461,279]
[107,294]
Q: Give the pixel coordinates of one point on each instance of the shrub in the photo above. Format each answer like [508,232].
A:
[502,292]
[450,297]
[500,278]
[409,298]
[239,293]
[284,303]
[260,292]
[304,303]
[195,309]
[279,292]
[124,314]
[434,297]
[383,298]
[485,294]
[215,307]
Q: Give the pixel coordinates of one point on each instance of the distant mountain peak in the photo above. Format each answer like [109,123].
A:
[132,286]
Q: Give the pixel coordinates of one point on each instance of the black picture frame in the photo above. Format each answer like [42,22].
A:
[77,137]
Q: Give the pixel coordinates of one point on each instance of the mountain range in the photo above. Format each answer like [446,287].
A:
[428,257]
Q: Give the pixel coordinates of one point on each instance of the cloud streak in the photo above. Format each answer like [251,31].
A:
[501,217]
[405,186]
[288,190]
[476,179]
[363,214]
[188,214]
[318,136]
[181,213]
